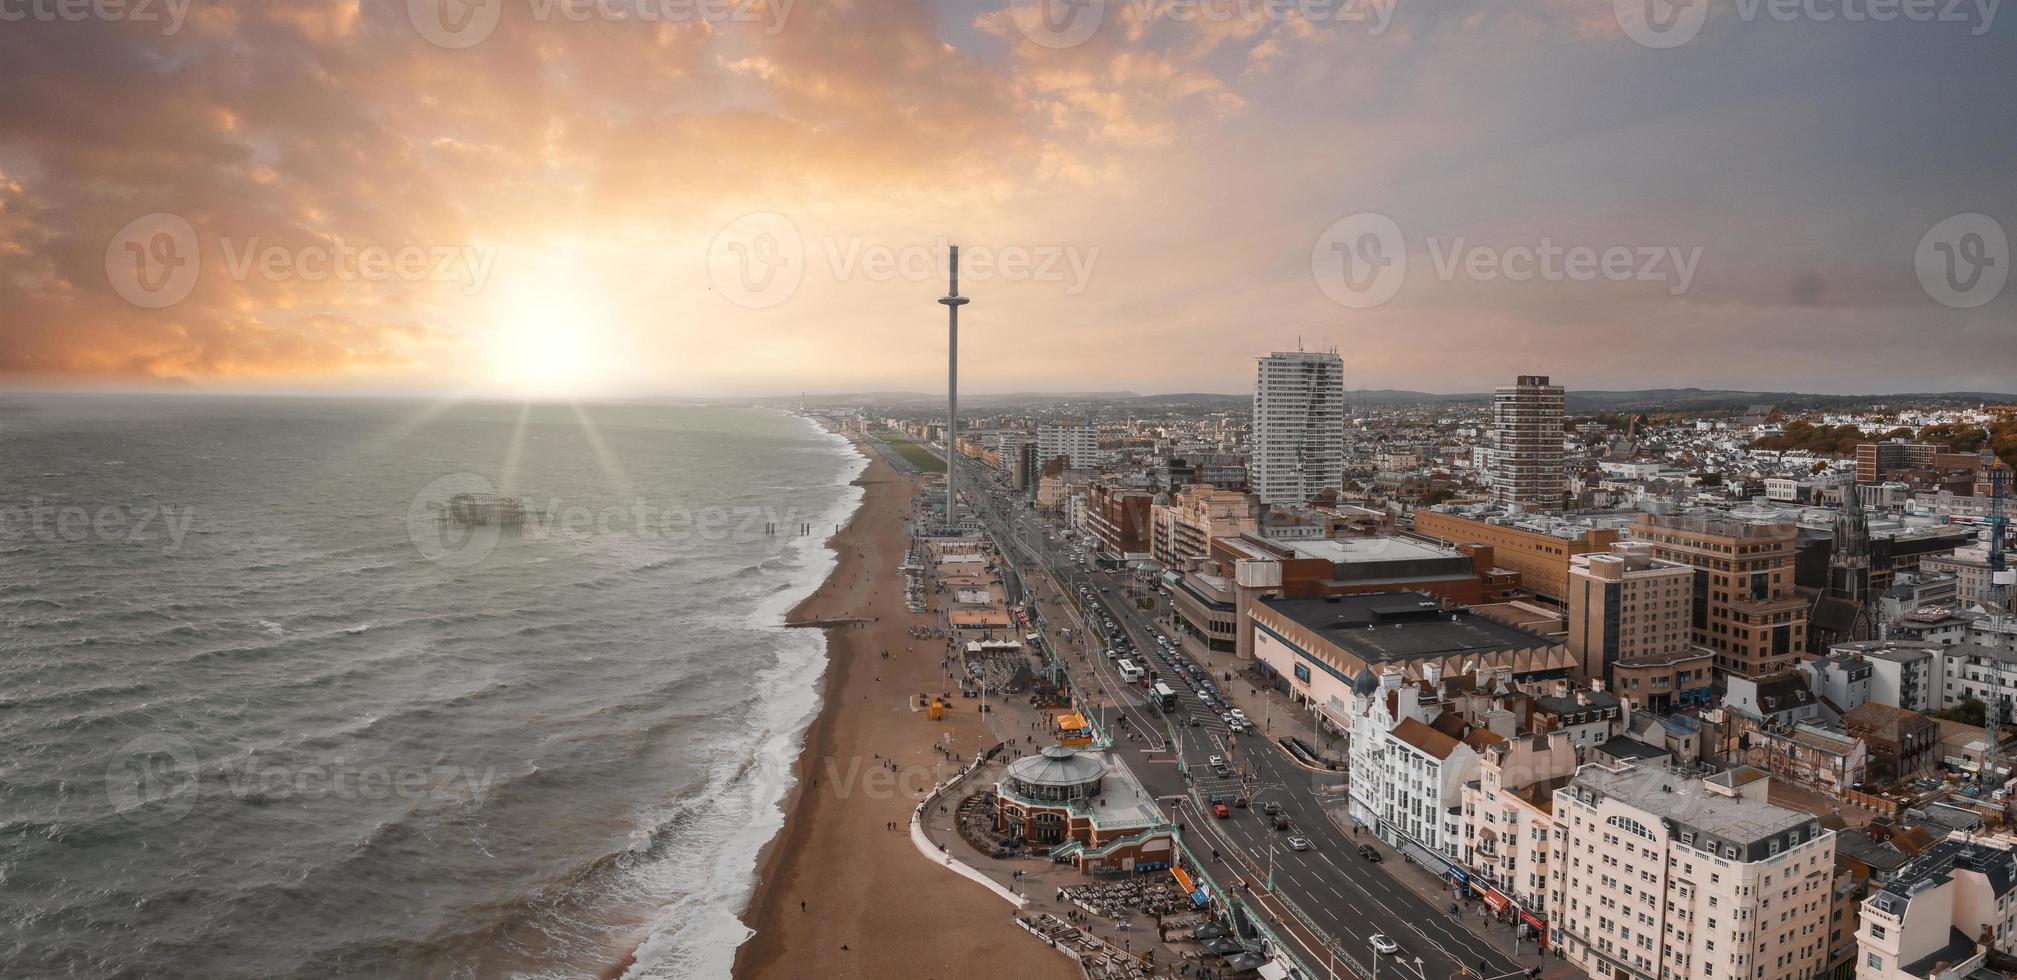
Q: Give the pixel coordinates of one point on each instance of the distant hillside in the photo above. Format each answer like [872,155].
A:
[1590,402]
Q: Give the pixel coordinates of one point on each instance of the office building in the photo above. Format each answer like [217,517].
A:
[1540,556]
[1527,469]
[1744,607]
[1298,427]
[1625,605]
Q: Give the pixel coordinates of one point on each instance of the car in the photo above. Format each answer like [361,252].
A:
[1280,821]
[1216,761]
[1383,945]
[1271,808]
[1195,723]
[1366,851]
[1236,727]
[1221,811]
[1221,771]
[1299,843]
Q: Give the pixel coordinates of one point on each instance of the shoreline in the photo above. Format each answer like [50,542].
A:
[872,905]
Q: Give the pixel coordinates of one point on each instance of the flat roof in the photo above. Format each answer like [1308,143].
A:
[1379,627]
[1711,819]
[1345,551]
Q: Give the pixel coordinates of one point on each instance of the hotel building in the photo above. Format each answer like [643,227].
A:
[1657,874]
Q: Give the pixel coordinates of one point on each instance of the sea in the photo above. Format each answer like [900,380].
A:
[323,687]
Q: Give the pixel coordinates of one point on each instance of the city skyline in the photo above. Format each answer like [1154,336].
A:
[609,207]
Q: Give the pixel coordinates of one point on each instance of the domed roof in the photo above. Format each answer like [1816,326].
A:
[1057,765]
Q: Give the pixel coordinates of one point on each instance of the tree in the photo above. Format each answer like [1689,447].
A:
[1969,712]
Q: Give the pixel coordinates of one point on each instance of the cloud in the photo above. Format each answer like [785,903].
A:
[1199,156]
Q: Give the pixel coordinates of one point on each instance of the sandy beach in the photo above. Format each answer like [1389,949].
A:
[840,893]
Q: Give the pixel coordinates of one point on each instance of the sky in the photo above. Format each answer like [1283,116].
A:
[715,198]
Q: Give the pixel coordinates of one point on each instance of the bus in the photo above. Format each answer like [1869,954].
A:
[1129,672]
[1166,698]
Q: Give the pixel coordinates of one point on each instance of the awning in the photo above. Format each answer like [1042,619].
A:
[1274,970]
[1496,899]
[1243,962]
[1222,947]
[1435,863]
[1172,578]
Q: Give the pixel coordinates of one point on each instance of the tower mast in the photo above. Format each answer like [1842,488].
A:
[952,301]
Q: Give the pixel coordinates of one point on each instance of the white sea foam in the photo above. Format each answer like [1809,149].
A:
[697,933]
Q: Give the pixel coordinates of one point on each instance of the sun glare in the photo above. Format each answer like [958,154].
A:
[549,335]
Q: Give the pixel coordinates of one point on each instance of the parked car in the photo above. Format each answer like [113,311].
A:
[1366,851]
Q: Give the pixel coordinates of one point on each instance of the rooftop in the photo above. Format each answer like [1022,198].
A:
[1937,864]
[1710,821]
[1387,626]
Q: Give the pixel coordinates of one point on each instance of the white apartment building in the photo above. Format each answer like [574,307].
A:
[1080,443]
[1298,427]
[1940,915]
[1508,820]
[1408,779]
[1658,874]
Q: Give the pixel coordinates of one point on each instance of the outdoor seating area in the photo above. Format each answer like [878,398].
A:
[1099,960]
[1151,894]
[975,818]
